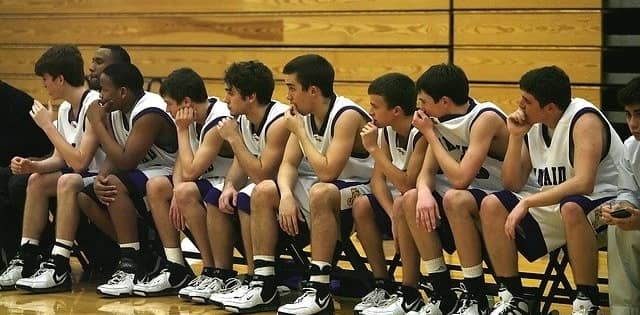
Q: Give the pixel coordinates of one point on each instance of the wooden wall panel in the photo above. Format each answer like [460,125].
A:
[528,28]
[528,4]
[363,64]
[507,96]
[407,29]
[509,64]
[208,6]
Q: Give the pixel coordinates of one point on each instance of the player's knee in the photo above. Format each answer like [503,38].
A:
[490,208]
[70,183]
[323,197]
[159,186]
[409,200]
[572,214]
[35,181]
[456,202]
[263,196]
[361,209]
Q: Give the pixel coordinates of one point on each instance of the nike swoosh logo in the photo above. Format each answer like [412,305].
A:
[323,301]
[59,279]
[410,307]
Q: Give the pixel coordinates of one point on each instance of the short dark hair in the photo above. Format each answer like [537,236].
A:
[125,75]
[184,82]
[118,54]
[630,93]
[397,89]
[445,80]
[548,84]
[311,70]
[251,77]
[64,60]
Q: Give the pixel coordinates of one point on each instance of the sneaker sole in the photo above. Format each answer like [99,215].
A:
[273,306]
[64,287]
[154,294]
[7,288]
[105,294]
[327,311]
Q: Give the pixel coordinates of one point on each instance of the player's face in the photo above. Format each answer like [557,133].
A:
[238,105]
[172,106]
[296,96]
[633,119]
[110,95]
[531,107]
[379,110]
[429,106]
[100,60]
[53,85]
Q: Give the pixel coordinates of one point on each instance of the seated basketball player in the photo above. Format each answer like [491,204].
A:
[398,150]
[570,148]
[76,152]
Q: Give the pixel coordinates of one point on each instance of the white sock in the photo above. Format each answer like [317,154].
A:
[134,245]
[435,265]
[473,271]
[267,270]
[320,278]
[64,250]
[26,240]
[174,255]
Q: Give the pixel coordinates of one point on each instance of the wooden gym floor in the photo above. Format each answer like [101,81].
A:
[84,300]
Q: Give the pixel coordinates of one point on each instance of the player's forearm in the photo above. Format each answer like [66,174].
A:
[397,177]
[319,163]
[382,194]
[512,169]
[50,164]
[185,157]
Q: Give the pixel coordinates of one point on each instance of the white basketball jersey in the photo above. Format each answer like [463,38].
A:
[399,154]
[552,156]
[218,110]
[148,103]
[357,167]
[256,138]
[455,134]
[72,131]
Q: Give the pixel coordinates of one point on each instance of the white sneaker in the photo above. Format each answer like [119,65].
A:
[308,303]
[395,305]
[199,289]
[374,298]
[10,275]
[504,297]
[46,279]
[582,306]
[162,284]
[233,288]
[253,300]
[120,284]
[515,306]
[468,304]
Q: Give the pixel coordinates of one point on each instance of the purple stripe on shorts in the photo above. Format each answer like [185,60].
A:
[212,196]
[203,186]
[244,202]
[341,184]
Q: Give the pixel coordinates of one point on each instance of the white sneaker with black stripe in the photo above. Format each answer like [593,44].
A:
[309,303]
[254,300]
[47,279]
[168,282]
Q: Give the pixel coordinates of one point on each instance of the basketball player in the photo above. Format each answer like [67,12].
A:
[176,202]
[104,56]
[335,169]
[466,141]
[546,135]
[76,155]
[623,251]
[398,151]
[258,139]
[141,145]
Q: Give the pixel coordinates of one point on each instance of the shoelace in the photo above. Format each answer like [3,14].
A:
[197,281]
[231,285]
[390,300]
[306,292]
[117,277]
[376,297]
[14,263]
[43,268]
